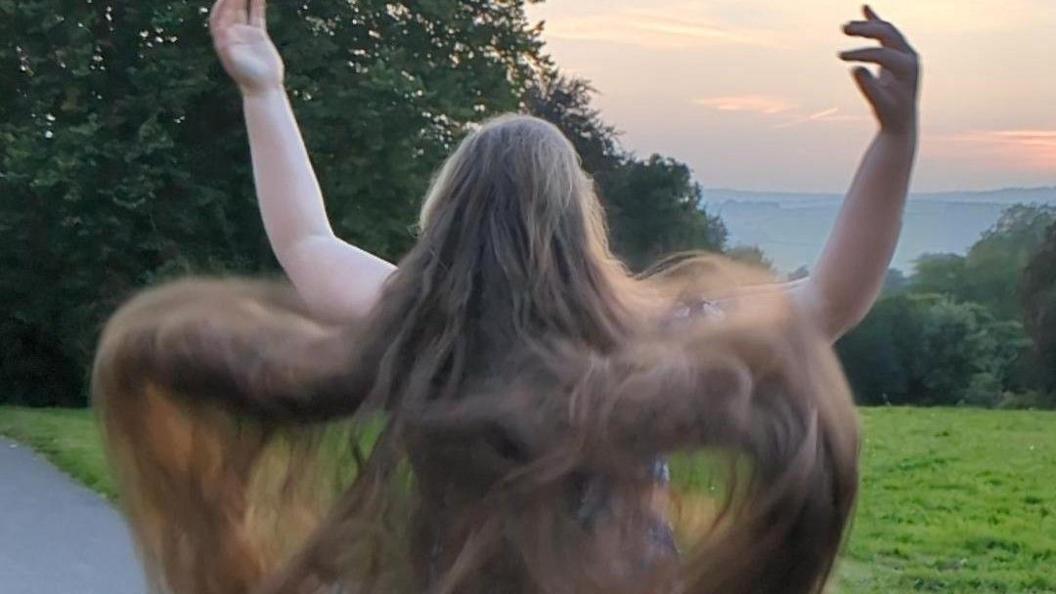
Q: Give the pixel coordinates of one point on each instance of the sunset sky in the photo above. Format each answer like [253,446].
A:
[751,95]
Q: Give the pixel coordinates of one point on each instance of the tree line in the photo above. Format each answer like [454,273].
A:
[977,329]
[124,162]
[123,158]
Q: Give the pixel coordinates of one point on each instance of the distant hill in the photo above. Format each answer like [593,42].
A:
[791,228]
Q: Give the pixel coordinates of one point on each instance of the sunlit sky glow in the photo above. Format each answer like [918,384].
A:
[751,95]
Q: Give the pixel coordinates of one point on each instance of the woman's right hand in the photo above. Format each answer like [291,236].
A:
[240,36]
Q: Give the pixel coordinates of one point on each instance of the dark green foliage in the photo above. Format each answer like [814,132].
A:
[873,354]
[953,333]
[655,209]
[1038,291]
[123,156]
[566,103]
[654,206]
[989,274]
[943,274]
[928,349]
[996,262]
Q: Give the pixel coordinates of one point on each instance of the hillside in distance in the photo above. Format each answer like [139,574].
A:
[792,228]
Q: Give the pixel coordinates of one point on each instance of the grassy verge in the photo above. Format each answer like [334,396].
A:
[68,438]
[958,501]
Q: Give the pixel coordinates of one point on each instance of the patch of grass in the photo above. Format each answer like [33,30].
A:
[955,501]
[68,438]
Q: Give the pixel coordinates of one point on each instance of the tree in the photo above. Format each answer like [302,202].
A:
[874,354]
[943,274]
[989,274]
[566,102]
[955,353]
[929,349]
[1038,290]
[995,263]
[654,207]
[123,155]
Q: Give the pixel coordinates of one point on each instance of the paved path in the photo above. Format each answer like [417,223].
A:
[57,537]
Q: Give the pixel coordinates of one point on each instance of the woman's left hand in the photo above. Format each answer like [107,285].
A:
[892,95]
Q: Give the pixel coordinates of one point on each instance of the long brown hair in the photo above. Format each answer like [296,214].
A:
[440,443]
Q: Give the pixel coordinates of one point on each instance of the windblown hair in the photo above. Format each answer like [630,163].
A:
[441,443]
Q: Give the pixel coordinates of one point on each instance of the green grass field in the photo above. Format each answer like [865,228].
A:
[955,501]
[958,501]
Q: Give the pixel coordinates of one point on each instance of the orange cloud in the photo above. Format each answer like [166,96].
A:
[763,104]
[1030,150]
[768,105]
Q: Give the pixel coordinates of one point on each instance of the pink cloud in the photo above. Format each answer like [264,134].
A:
[1027,150]
[763,104]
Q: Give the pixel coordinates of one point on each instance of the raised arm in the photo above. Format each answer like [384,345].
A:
[338,281]
[850,273]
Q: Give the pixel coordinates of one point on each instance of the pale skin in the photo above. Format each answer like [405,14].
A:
[342,282]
